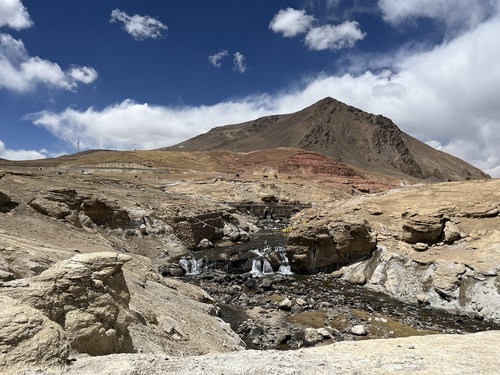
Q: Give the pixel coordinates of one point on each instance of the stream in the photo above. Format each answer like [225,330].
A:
[272,308]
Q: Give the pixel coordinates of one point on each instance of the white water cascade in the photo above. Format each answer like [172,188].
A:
[192,266]
[261,261]
[262,266]
[285,268]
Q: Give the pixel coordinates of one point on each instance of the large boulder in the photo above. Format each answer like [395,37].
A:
[28,339]
[422,228]
[87,296]
[446,279]
[56,203]
[323,245]
[451,232]
[235,233]
[57,210]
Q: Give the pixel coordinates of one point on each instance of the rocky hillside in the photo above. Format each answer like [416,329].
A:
[344,133]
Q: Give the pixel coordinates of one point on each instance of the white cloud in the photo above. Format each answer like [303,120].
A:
[454,13]
[291,22]
[447,96]
[140,27]
[239,63]
[8,154]
[131,125]
[83,74]
[13,14]
[21,73]
[216,58]
[238,60]
[334,37]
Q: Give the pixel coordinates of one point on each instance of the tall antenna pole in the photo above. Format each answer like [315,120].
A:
[78,146]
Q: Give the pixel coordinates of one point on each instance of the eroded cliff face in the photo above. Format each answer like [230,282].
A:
[435,245]
[440,284]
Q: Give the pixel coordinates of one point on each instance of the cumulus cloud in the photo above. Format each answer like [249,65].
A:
[13,14]
[139,27]
[454,13]
[239,63]
[215,59]
[21,73]
[83,74]
[334,37]
[291,22]
[8,154]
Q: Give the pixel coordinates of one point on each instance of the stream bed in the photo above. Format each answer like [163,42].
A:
[272,308]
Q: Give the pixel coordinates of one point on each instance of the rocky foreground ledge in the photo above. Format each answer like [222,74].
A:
[438,354]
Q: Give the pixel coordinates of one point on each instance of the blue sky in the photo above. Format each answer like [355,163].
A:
[134,74]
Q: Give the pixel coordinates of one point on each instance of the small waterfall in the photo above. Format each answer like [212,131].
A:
[260,267]
[285,268]
[192,266]
[267,260]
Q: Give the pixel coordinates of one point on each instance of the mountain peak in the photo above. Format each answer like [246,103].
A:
[327,101]
[345,133]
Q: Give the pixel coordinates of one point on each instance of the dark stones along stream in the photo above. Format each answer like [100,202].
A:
[288,311]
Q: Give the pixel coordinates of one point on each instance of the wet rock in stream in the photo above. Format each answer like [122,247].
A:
[293,311]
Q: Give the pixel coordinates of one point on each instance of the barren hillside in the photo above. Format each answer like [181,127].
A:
[344,133]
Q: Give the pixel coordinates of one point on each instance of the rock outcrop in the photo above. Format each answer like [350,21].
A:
[422,228]
[84,304]
[28,339]
[87,296]
[194,228]
[440,284]
[79,209]
[322,245]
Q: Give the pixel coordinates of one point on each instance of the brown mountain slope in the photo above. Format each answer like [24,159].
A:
[347,134]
